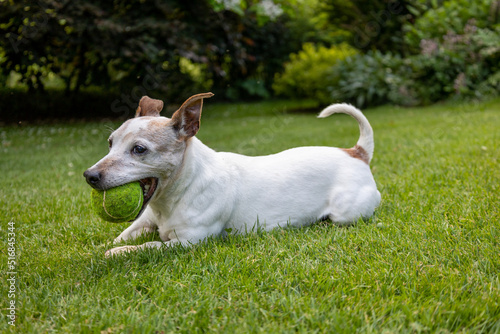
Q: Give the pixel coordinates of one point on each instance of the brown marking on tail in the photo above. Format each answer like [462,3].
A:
[358,152]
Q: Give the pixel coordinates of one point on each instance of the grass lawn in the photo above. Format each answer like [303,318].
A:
[428,262]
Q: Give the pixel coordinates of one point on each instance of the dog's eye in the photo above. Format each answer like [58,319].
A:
[110,142]
[138,149]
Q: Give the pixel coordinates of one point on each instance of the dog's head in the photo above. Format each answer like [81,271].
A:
[147,148]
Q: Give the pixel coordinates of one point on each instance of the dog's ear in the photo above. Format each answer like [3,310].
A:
[149,107]
[186,120]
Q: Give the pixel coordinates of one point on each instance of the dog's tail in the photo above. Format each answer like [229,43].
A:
[365,140]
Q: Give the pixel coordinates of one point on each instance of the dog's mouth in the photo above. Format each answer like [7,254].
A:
[148,186]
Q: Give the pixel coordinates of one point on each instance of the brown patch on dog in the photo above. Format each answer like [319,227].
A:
[358,152]
[156,128]
[158,124]
[149,107]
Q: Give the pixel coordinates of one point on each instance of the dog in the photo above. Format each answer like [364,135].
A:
[192,192]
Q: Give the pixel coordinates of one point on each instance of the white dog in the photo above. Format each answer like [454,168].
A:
[192,192]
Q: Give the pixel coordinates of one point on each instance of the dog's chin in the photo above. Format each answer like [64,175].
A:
[149,186]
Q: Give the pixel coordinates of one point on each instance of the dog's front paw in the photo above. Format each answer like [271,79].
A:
[118,240]
[119,250]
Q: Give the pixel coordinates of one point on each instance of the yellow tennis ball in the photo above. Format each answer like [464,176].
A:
[119,204]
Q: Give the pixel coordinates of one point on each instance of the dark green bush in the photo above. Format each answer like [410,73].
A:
[457,65]
[20,106]
[456,49]
[455,53]
[449,16]
[370,79]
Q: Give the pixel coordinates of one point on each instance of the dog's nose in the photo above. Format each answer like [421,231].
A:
[93,177]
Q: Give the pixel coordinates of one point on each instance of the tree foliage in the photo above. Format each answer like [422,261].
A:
[407,51]
[374,25]
[451,17]
[412,52]
[119,43]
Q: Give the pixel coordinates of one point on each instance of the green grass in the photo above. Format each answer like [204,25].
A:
[428,262]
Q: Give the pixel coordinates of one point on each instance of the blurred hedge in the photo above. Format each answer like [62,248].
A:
[455,54]
[184,47]
[18,106]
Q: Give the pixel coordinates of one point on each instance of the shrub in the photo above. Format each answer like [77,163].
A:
[371,79]
[457,65]
[455,54]
[456,51]
[488,41]
[449,16]
[305,74]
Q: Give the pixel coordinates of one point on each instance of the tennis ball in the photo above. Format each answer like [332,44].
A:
[119,204]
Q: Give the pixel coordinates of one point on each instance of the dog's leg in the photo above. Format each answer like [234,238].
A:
[187,238]
[138,227]
[347,207]
[127,249]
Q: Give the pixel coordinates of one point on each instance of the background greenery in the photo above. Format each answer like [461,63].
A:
[427,262]
[411,53]
[368,53]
